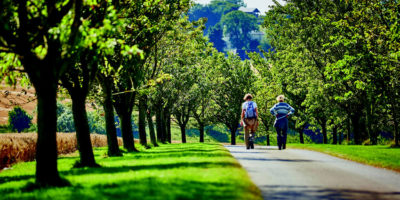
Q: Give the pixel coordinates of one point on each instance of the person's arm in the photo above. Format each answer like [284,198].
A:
[241,117]
[291,111]
[272,110]
[256,112]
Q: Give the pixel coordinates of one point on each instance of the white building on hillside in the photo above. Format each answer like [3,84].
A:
[253,11]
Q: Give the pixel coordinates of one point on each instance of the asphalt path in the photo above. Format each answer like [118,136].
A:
[302,174]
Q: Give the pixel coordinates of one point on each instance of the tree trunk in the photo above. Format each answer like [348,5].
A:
[82,131]
[151,126]
[355,120]
[233,136]
[268,140]
[159,124]
[201,130]
[324,132]
[126,129]
[167,125]
[123,104]
[348,129]
[183,132]
[370,121]
[46,147]
[142,122]
[335,135]
[301,132]
[396,124]
[113,148]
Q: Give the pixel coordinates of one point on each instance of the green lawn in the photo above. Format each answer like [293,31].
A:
[380,156]
[173,171]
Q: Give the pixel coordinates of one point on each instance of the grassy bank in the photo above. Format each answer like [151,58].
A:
[174,171]
[379,156]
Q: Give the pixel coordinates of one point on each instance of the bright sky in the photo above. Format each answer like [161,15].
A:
[262,5]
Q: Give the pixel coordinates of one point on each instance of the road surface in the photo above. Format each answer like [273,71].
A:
[302,174]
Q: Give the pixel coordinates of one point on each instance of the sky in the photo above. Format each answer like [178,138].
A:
[262,5]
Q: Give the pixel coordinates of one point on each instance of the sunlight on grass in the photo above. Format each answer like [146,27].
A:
[174,171]
[380,156]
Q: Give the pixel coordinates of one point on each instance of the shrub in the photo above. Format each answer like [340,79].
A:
[65,119]
[18,119]
[97,122]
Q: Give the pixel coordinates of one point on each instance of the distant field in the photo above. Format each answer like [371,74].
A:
[21,147]
[379,156]
[173,171]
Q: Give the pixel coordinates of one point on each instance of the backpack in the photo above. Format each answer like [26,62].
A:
[250,110]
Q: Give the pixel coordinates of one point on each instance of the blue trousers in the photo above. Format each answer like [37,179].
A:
[281,135]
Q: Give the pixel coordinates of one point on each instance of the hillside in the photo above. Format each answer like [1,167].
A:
[12,96]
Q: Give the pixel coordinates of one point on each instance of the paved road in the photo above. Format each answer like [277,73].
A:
[302,174]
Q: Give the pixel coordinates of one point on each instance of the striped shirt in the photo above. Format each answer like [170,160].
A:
[281,109]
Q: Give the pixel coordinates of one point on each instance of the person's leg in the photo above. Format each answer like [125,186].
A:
[253,132]
[246,134]
[284,137]
[278,136]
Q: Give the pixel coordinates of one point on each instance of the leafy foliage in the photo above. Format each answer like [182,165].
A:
[332,61]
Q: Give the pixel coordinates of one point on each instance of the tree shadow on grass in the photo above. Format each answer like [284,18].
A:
[105,170]
[180,154]
[186,150]
[6,179]
[144,188]
[274,159]
[157,188]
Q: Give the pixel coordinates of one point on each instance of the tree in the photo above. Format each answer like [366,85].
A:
[238,25]
[213,12]
[106,82]
[80,76]
[216,34]
[30,33]
[233,78]
[189,49]
[148,21]
[202,90]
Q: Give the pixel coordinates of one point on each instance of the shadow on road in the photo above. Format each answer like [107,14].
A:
[274,159]
[313,192]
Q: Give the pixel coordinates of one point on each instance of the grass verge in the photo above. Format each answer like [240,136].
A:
[173,171]
[379,156]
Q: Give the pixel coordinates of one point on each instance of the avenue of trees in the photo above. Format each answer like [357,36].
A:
[122,54]
[338,64]
[336,61]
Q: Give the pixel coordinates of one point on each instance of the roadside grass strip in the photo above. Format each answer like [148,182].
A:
[378,156]
[172,171]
